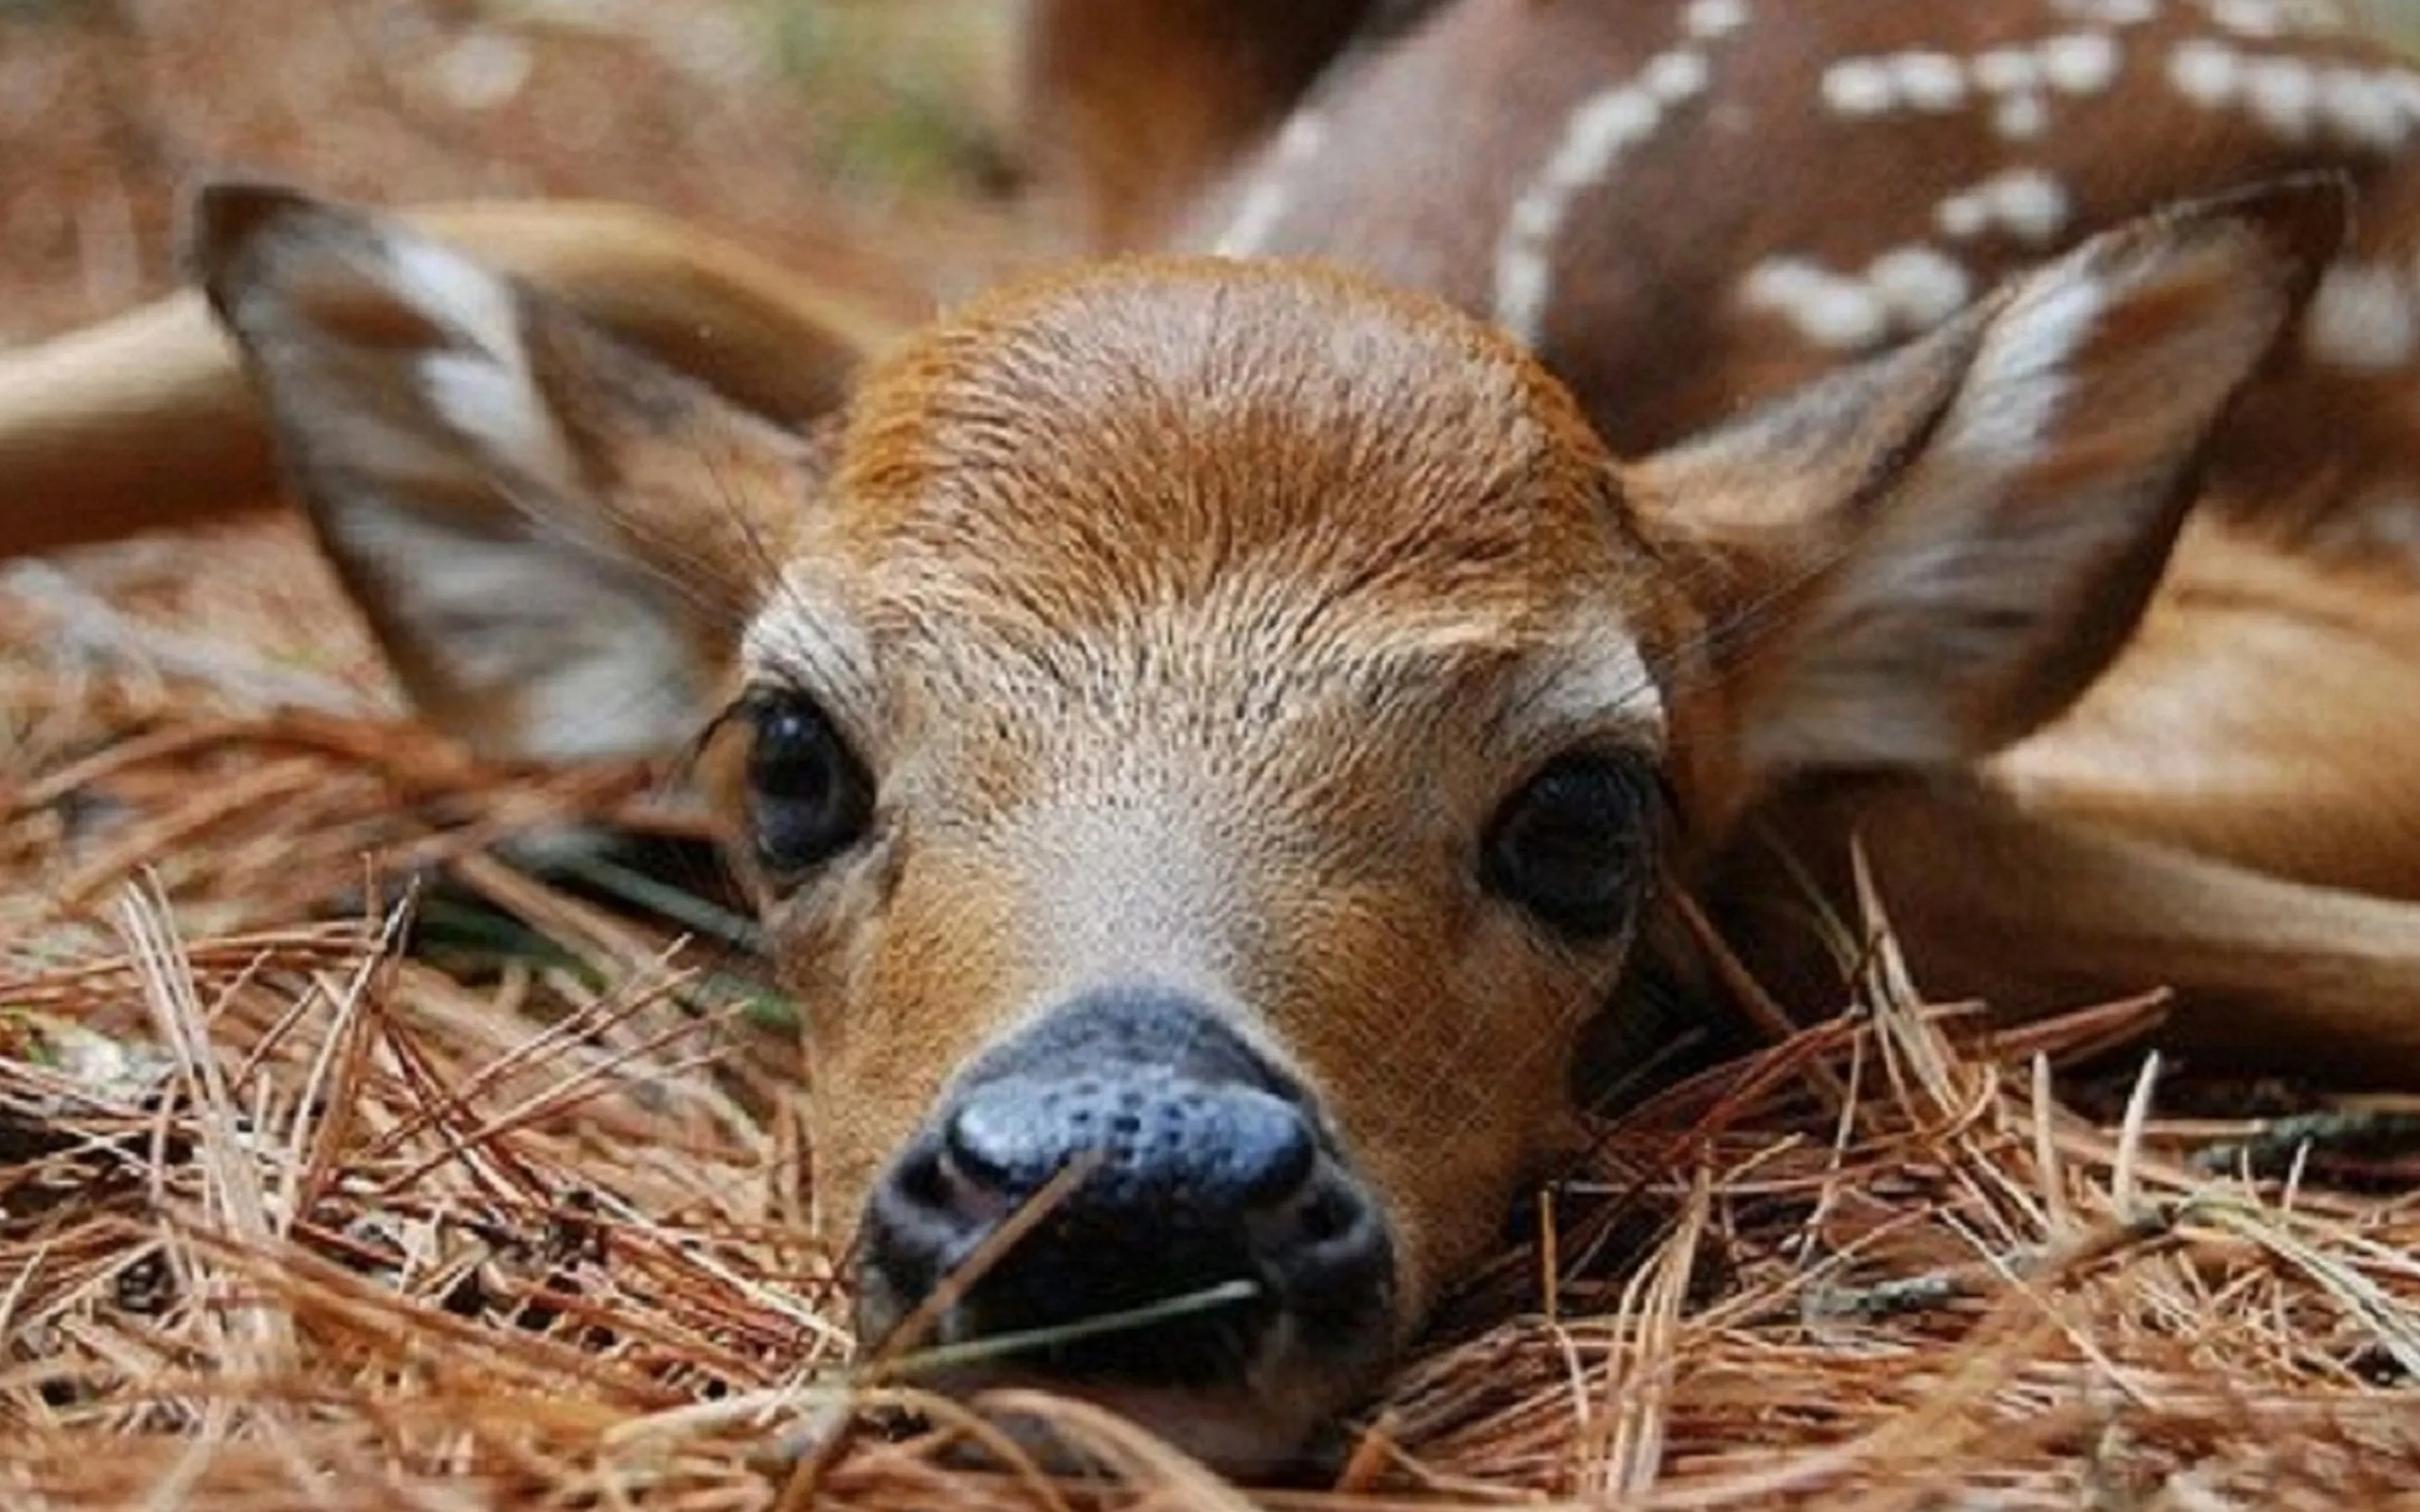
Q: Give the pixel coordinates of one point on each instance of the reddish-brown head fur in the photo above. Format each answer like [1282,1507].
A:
[1200,617]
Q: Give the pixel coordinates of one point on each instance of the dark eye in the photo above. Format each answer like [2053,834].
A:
[1576,845]
[809,797]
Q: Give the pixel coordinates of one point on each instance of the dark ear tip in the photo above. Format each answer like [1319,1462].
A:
[2307,218]
[224,216]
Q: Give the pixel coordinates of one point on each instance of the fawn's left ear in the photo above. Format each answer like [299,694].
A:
[558,539]
[1927,557]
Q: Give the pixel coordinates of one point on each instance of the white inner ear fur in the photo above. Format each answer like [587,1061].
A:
[2021,374]
[588,679]
[547,643]
[590,682]
[493,403]
[452,289]
[483,388]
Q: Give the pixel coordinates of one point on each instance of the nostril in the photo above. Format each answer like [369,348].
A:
[976,1154]
[1325,1217]
[920,1179]
[1200,1166]
[935,1184]
[1328,1251]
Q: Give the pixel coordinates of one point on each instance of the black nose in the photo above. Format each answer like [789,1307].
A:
[1165,1144]
[1201,1168]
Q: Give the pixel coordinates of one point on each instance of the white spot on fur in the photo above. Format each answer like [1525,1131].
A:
[1964,216]
[1676,76]
[2084,63]
[2247,18]
[1264,201]
[1605,126]
[2077,63]
[2014,76]
[2021,117]
[2363,319]
[1859,86]
[2373,110]
[2032,204]
[2284,93]
[2208,73]
[1835,313]
[1930,81]
[1710,20]
[2108,12]
[2359,107]
[2007,69]
[1920,286]
[1905,291]
[484,69]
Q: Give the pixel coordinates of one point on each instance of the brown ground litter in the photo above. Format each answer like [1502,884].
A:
[287,1216]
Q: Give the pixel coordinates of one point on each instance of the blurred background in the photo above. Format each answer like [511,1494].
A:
[872,142]
[867,143]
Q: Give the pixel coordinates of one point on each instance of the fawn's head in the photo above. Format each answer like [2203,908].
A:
[1214,726]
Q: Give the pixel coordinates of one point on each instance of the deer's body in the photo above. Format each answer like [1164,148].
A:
[1700,205]
[1224,724]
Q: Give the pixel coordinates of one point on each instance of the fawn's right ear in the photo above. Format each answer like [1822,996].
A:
[557,538]
[1927,557]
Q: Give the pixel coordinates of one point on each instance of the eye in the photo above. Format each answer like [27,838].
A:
[1576,844]
[809,797]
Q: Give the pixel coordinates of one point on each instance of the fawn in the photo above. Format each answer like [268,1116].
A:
[1233,722]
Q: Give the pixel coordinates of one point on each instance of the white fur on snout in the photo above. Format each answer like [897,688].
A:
[1132,885]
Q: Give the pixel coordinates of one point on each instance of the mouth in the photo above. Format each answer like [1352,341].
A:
[1241,1432]
[1228,1351]
[1234,1375]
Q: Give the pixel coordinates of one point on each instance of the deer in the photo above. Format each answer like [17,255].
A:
[1217,728]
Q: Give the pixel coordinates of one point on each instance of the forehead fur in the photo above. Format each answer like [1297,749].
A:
[1163,430]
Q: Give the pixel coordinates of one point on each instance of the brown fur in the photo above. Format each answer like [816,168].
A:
[1107,502]
[1134,110]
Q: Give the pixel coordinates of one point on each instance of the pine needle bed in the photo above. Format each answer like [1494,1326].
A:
[438,1180]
